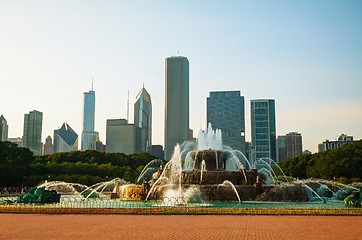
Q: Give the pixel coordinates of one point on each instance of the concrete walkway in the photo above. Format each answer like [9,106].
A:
[41,226]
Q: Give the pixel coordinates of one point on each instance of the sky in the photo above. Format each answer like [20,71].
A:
[307,55]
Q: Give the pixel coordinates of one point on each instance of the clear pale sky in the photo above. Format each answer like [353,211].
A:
[307,55]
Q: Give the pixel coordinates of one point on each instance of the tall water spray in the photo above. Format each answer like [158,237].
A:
[209,139]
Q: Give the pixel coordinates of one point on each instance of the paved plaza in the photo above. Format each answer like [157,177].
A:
[42,226]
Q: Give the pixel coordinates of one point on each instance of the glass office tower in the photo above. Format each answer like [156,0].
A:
[263,131]
[89,136]
[32,131]
[65,139]
[143,121]
[225,111]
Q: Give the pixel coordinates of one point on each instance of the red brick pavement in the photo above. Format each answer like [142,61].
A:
[42,226]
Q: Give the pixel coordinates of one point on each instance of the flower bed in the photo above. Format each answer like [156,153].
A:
[180,211]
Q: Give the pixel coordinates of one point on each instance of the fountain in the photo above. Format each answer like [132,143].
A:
[216,171]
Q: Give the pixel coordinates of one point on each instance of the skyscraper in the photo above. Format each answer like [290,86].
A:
[143,121]
[89,136]
[120,136]
[293,144]
[263,131]
[65,139]
[48,146]
[3,129]
[281,150]
[157,151]
[176,102]
[32,131]
[225,111]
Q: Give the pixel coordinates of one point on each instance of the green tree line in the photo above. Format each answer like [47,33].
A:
[18,166]
[344,164]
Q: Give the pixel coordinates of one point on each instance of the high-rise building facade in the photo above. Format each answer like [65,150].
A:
[225,111]
[143,121]
[120,136]
[281,150]
[89,136]
[3,129]
[263,131]
[65,139]
[248,150]
[48,146]
[176,103]
[293,144]
[344,137]
[341,140]
[32,131]
[157,151]
[17,140]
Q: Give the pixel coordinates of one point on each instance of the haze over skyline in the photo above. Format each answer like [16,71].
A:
[307,55]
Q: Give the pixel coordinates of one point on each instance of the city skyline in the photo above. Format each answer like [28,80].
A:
[307,56]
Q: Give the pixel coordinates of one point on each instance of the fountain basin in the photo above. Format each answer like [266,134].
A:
[214,159]
[240,177]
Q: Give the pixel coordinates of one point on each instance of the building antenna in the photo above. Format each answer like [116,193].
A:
[92,83]
[128,107]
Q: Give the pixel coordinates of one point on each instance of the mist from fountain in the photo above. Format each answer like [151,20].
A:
[174,166]
[209,139]
[57,185]
[171,197]
[94,188]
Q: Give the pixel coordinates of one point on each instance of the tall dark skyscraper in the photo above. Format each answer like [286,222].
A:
[89,136]
[3,129]
[143,121]
[225,111]
[263,131]
[176,103]
[293,144]
[32,131]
